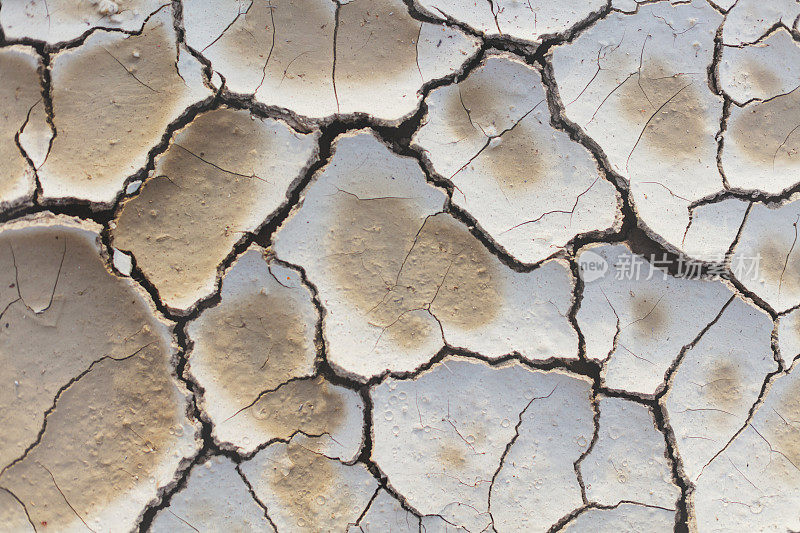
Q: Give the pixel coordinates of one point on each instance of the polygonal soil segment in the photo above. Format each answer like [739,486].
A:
[712,230]
[129,88]
[224,174]
[484,446]
[281,51]
[760,151]
[57,21]
[356,225]
[21,100]
[95,420]
[636,318]
[628,462]
[749,20]
[253,356]
[755,483]
[215,499]
[306,491]
[717,382]
[538,471]
[326,419]
[768,244]
[760,71]
[52,328]
[638,85]
[284,53]
[398,277]
[761,143]
[384,57]
[530,21]
[528,185]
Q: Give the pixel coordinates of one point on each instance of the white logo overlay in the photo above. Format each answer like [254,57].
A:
[593,266]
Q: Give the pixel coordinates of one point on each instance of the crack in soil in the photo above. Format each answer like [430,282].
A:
[628,229]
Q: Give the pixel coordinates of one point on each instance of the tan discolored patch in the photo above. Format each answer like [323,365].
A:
[671,102]
[366,248]
[19,92]
[468,294]
[724,385]
[136,91]
[36,258]
[222,175]
[787,443]
[409,329]
[375,40]
[72,312]
[84,346]
[293,40]
[479,93]
[252,30]
[459,122]
[783,432]
[761,77]
[491,99]
[303,484]
[648,313]
[471,106]
[778,267]
[516,163]
[109,434]
[764,132]
[311,405]
[303,53]
[254,343]
[442,268]
[452,455]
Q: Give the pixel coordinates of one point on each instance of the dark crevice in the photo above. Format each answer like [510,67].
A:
[24,153]
[358,520]
[255,497]
[726,113]
[208,447]
[336,16]
[595,436]
[24,508]
[573,515]
[685,509]
[663,389]
[397,135]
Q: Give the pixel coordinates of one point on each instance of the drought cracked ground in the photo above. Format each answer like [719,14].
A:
[400,265]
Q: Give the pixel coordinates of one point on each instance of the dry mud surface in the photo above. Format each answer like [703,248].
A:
[400,265]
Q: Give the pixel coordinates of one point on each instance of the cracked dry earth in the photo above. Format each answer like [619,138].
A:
[328,265]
